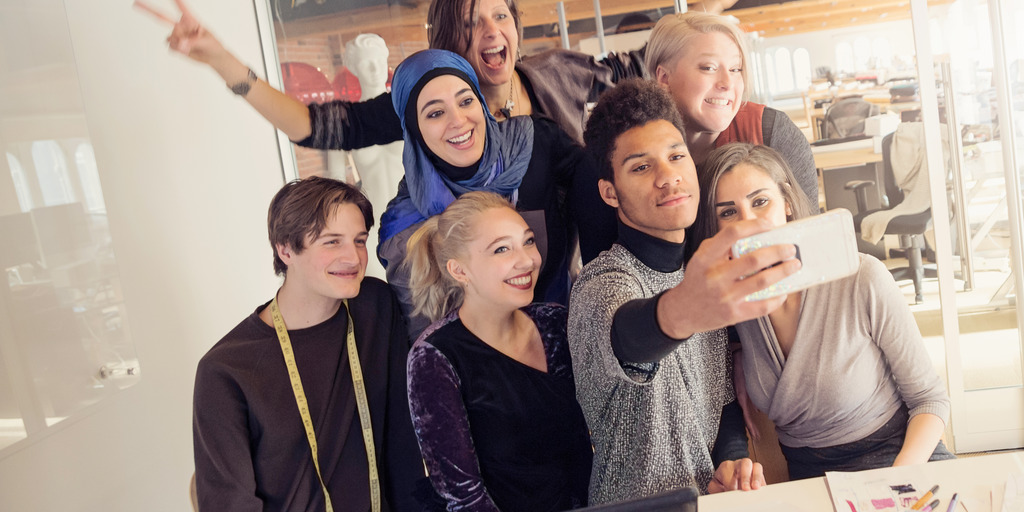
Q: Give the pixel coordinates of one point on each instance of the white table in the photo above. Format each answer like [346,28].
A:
[963,476]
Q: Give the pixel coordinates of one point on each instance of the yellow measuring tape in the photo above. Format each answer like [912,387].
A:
[361,402]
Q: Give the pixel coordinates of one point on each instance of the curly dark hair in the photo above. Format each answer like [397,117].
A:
[631,103]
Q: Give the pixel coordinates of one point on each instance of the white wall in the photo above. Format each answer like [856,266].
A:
[187,174]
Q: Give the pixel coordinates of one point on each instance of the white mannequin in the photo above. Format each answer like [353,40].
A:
[379,167]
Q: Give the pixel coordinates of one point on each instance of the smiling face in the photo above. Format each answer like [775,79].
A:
[706,82]
[495,44]
[500,263]
[655,187]
[332,265]
[451,120]
[748,192]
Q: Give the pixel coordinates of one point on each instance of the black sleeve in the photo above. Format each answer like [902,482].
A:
[225,476]
[574,169]
[626,65]
[404,466]
[782,135]
[731,443]
[636,335]
[353,125]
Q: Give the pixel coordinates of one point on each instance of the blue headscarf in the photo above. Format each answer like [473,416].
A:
[425,191]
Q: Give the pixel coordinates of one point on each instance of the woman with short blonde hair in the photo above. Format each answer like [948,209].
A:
[702,61]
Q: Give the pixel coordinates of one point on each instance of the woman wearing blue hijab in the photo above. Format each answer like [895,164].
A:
[453,145]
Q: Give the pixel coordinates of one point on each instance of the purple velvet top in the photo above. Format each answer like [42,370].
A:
[495,433]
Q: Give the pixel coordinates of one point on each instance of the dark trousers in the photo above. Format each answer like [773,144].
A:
[877,450]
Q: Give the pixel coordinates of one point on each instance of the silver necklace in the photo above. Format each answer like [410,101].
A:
[509,104]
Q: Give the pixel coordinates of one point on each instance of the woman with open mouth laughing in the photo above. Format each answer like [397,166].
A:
[555,83]
[491,388]
[453,145]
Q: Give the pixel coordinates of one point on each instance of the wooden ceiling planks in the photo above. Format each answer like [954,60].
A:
[402,22]
[802,16]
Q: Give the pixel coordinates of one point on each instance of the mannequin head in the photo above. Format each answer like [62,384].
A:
[366,57]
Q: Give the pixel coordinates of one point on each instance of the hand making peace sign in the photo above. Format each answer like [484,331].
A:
[188,37]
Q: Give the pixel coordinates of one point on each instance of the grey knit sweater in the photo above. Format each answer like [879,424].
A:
[857,357]
[653,424]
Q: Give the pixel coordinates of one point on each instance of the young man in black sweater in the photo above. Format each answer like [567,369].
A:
[283,418]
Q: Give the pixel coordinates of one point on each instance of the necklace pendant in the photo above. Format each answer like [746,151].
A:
[509,104]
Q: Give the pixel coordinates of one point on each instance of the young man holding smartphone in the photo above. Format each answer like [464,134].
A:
[649,347]
[284,418]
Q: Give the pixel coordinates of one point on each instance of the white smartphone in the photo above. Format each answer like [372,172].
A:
[825,244]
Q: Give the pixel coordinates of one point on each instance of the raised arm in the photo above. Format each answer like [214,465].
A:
[713,292]
[188,37]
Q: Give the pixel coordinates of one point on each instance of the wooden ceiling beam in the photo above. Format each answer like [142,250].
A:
[875,15]
[819,10]
[816,10]
[864,14]
[402,23]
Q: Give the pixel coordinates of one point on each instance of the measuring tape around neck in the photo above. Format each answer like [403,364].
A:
[357,386]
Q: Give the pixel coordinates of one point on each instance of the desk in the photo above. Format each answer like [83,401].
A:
[961,476]
[840,166]
[845,158]
[810,495]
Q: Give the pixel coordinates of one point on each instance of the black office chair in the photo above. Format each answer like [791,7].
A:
[845,118]
[910,228]
[678,500]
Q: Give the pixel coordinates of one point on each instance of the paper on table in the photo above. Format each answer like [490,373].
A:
[979,498]
[860,492]
[1013,498]
[769,506]
[878,490]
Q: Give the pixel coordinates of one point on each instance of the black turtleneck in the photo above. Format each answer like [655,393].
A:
[637,338]
[636,335]
[656,253]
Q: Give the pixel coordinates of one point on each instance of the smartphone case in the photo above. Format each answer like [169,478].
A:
[826,245]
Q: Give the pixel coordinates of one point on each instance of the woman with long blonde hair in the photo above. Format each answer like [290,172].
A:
[491,388]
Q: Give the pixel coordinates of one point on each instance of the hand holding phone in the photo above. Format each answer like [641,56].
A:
[826,246]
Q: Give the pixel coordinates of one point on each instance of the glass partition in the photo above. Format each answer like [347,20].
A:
[981,103]
[64,335]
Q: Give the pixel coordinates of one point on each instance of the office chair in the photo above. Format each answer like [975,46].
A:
[909,228]
[845,118]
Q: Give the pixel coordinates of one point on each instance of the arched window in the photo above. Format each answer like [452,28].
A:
[52,172]
[844,58]
[769,65]
[783,70]
[85,159]
[938,36]
[802,68]
[861,54]
[881,50]
[20,183]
